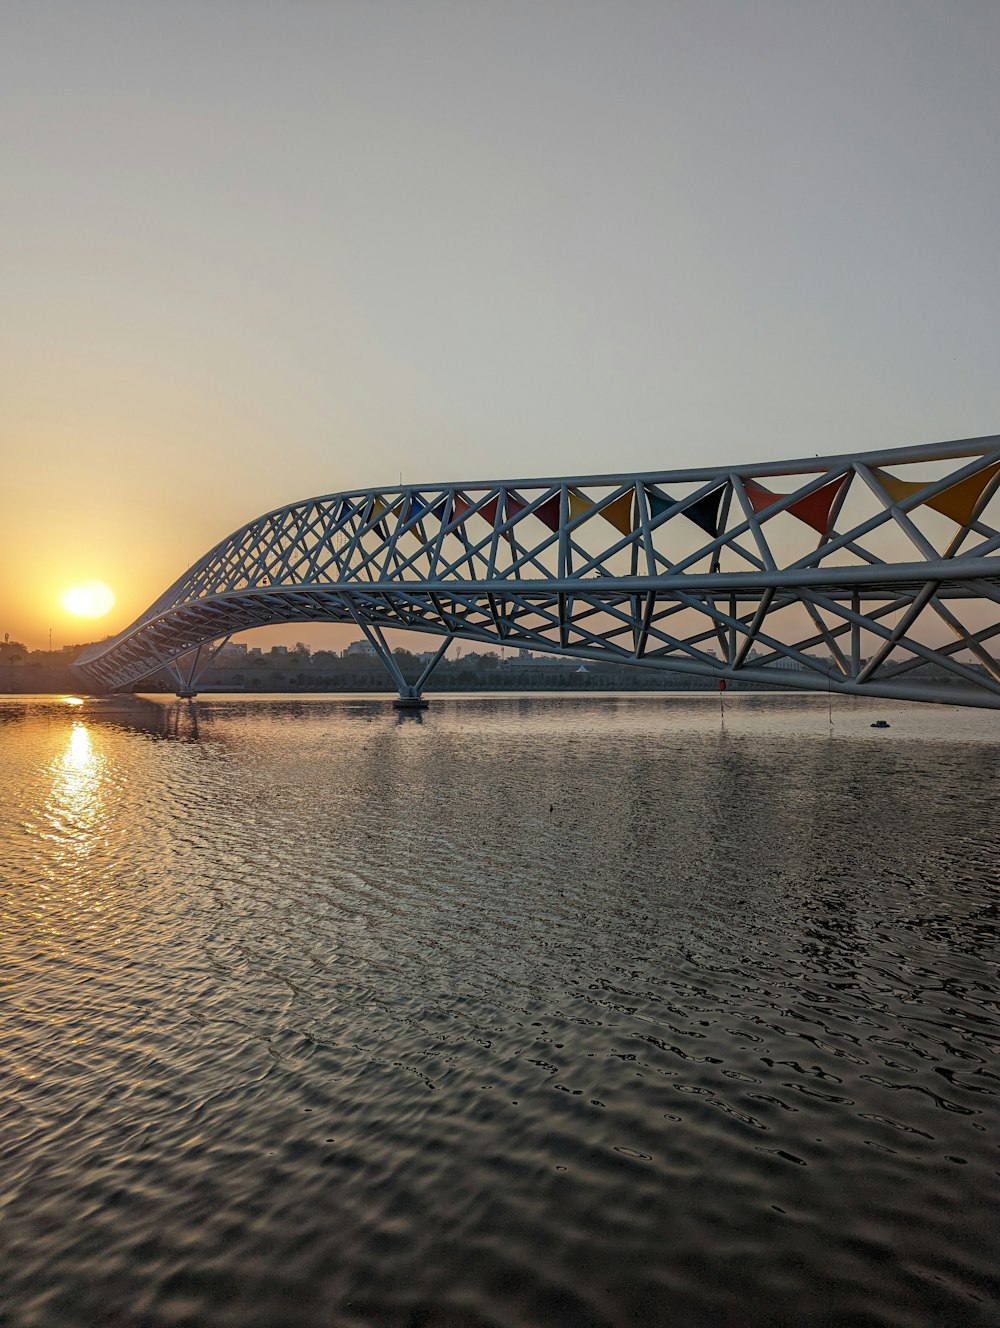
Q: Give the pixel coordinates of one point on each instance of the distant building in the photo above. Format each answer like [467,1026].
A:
[359,648]
[528,657]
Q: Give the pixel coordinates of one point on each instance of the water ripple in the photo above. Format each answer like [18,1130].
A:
[535,1013]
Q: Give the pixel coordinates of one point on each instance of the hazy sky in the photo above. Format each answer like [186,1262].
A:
[252,252]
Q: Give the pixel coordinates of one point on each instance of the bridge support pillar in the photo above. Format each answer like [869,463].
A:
[410,701]
[189,677]
[410,693]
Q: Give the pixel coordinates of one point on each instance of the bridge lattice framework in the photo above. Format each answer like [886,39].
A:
[887,562]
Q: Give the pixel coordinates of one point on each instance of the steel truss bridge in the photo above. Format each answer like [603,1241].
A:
[874,574]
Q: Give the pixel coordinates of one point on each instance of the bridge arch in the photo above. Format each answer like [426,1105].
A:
[867,574]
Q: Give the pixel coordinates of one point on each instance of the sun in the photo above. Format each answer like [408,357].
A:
[91,599]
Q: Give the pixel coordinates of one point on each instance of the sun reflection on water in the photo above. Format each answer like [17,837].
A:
[79,755]
[76,799]
[74,846]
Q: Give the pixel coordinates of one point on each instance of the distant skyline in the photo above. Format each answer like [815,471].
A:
[255,252]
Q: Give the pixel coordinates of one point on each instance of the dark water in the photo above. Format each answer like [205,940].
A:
[535,1012]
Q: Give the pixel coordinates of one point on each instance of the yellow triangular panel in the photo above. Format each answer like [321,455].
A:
[898,490]
[959,501]
[578,505]
[381,509]
[619,513]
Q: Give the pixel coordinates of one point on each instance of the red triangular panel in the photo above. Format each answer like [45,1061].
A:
[814,509]
[459,507]
[514,509]
[548,512]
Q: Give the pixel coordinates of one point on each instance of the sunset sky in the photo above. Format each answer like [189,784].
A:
[254,252]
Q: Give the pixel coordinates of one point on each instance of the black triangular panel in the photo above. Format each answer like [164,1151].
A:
[658,502]
[705,512]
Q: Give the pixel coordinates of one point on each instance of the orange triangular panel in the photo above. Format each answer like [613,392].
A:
[760,499]
[959,501]
[814,509]
[619,513]
[488,511]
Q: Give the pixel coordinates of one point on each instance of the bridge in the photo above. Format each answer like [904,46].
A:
[874,574]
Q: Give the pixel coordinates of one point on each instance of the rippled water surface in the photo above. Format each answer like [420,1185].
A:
[528,1011]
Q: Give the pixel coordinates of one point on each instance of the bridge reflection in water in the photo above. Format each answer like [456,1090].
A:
[869,574]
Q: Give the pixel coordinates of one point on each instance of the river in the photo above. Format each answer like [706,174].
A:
[525,1011]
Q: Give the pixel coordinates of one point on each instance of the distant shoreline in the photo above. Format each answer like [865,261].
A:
[553,688]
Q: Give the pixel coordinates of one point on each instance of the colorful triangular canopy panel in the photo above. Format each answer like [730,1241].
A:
[513,508]
[619,513]
[705,512]
[759,498]
[814,508]
[381,508]
[658,502]
[578,505]
[958,501]
[417,508]
[898,490]
[548,512]
[459,507]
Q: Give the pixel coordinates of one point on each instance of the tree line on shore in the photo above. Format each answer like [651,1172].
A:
[299,668]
